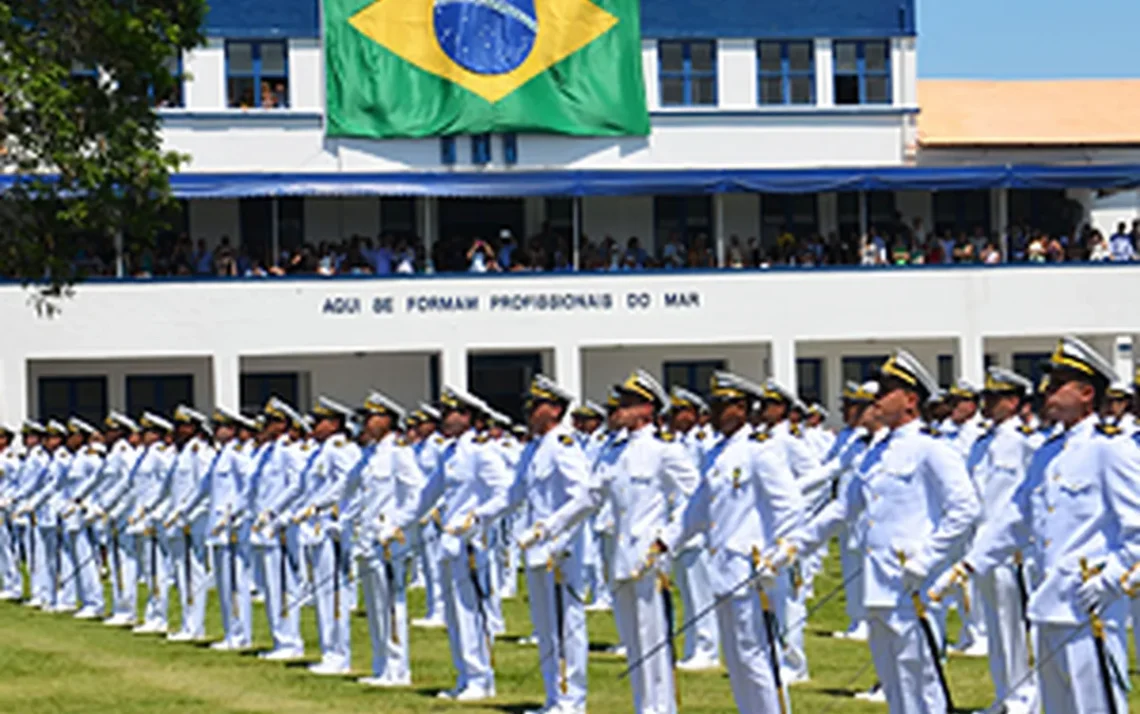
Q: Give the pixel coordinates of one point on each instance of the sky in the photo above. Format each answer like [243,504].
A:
[1028,39]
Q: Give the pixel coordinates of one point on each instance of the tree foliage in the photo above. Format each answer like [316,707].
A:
[79,80]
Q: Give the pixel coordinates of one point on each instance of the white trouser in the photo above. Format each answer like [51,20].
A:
[386,607]
[509,579]
[188,558]
[152,552]
[851,565]
[906,666]
[691,571]
[973,622]
[121,551]
[748,653]
[431,559]
[10,581]
[640,614]
[563,645]
[330,584]
[82,554]
[61,562]
[40,554]
[595,569]
[492,572]
[468,629]
[1005,626]
[231,575]
[281,590]
[791,610]
[1070,675]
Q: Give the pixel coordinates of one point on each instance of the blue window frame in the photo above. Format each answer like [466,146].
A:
[257,388]
[687,217]
[946,375]
[809,379]
[481,149]
[961,211]
[693,375]
[687,72]
[63,397]
[447,150]
[862,72]
[786,72]
[502,379]
[510,149]
[795,213]
[861,369]
[159,393]
[257,74]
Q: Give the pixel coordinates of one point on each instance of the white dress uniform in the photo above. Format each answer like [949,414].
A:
[506,568]
[470,485]
[30,479]
[80,542]
[275,480]
[221,499]
[186,531]
[636,477]
[596,580]
[551,472]
[327,546]
[391,483]
[117,502]
[748,503]
[48,504]
[691,571]
[497,535]
[919,505]
[1078,508]
[427,452]
[11,582]
[150,477]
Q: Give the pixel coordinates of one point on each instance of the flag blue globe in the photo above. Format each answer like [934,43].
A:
[486,36]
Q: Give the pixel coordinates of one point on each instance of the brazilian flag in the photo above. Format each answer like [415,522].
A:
[415,68]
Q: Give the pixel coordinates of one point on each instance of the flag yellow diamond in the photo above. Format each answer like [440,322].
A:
[405,28]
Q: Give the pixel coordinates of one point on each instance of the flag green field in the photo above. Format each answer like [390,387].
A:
[409,68]
[54,663]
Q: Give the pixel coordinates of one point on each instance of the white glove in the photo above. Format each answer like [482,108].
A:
[1098,592]
[533,536]
[959,574]
[390,532]
[94,512]
[914,574]
[767,577]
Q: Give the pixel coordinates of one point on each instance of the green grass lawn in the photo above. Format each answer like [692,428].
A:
[53,663]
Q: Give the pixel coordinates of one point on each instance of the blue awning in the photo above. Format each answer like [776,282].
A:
[632,183]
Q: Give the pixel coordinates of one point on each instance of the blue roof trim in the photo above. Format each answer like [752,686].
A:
[777,19]
[656,273]
[626,183]
[861,110]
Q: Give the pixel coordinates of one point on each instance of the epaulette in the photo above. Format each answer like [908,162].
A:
[481,439]
[666,436]
[566,440]
[795,430]
[602,437]
[305,446]
[162,447]
[1026,429]
[238,448]
[1109,429]
[700,435]
[401,441]
[439,440]
[760,436]
[339,441]
[92,451]
[194,449]
[931,431]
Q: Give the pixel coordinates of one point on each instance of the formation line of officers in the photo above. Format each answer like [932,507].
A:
[1018,504]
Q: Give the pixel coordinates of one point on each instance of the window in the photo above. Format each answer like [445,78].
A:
[861,369]
[502,379]
[881,213]
[693,375]
[481,149]
[786,72]
[398,217]
[447,150]
[1049,211]
[961,211]
[560,215]
[809,378]
[172,97]
[863,72]
[257,75]
[687,73]
[256,389]
[685,217]
[780,213]
[255,221]
[290,222]
[510,149]
[159,393]
[1031,365]
[946,376]
[64,397]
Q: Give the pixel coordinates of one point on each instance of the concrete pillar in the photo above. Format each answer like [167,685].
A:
[453,367]
[971,357]
[14,407]
[1122,358]
[568,368]
[226,367]
[783,362]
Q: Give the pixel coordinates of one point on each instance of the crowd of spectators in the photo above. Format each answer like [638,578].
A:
[551,251]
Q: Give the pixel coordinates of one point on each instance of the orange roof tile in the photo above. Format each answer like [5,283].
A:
[1058,112]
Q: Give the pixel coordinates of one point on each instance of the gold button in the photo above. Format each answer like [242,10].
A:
[1051,509]
[1057,477]
[1048,542]
[875,497]
[870,522]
